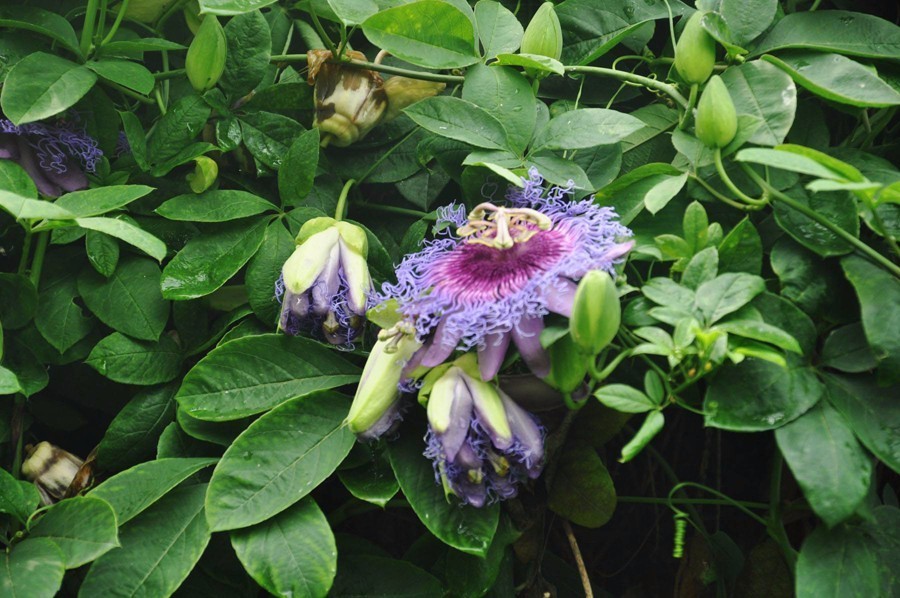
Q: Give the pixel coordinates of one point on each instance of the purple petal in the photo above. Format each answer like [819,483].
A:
[328,283]
[8,147]
[442,345]
[490,356]
[73,179]
[471,491]
[529,440]
[560,296]
[460,418]
[527,336]
[28,161]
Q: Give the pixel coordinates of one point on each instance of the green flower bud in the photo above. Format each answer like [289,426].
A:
[146,11]
[596,312]
[205,172]
[716,123]
[192,16]
[403,91]
[205,61]
[568,365]
[543,36]
[695,52]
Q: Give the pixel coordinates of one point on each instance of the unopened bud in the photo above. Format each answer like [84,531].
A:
[543,36]
[205,61]
[205,172]
[596,312]
[192,16]
[403,91]
[568,365]
[716,123]
[695,52]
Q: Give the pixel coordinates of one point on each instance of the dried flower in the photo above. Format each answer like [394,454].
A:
[51,469]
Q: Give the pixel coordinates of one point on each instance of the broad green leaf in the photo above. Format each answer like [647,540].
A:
[295,177]
[669,293]
[17,497]
[531,61]
[43,22]
[210,260]
[650,144]
[368,575]
[805,278]
[373,481]
[760,331]
[15,179]
[585,127]
[760,90]
[872,412]
[837,206]
[660,194]
[42,85]
[582,490]
[465,528]
[247,57]
[253,374]
[133,490]
[353,12]
[125,73]
[218,205]
[836,78]
[879,295]
[846,349]
[747,18]
[264,269]
[783,314]
[127,232]
[652,426]
[99,201]
[24,208]
[481,573]
[507,96]
[102,252]
[132,435]
[129,301]
[291,554]
[60,320]
[624,398]
[129,361]
[83,527]
[837,563]
[278,460]
[756,395]
[822,435]
[402,32]
[558,171]
[126,47]
[498,29]
[458,119]
[628,193]
[18,300]
[181,123]
[844,32]
[221,433]
[267,136]
[727,293]
[32,568]
[232,7]
[703,267]
[159,548]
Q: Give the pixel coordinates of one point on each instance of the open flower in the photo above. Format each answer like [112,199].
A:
[54,156]
[325,283]
[482,443]
[506,267]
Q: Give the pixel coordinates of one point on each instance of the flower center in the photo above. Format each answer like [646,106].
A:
[501,227]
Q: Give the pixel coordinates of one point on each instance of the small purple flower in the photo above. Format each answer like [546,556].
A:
[54,156]
[506,267]
[482,443]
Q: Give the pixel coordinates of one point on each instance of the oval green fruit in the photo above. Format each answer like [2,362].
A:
[716,123]
[596,312]
[205,61]
[543,36]
[695,52]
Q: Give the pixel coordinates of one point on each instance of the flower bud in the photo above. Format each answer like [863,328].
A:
[192,16]
[403,91]
[543,36]
[568,365]
[51,469]
[695,52]
[205,61]
[205,172]
[146,11]
[349,101]
[716,122]
[596,312]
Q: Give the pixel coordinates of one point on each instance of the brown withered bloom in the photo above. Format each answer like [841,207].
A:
[56,473]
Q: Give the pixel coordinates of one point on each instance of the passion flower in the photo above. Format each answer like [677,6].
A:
[506,267]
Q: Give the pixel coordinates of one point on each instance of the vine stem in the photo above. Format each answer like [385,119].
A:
[37,264]
[775,525]
[815,216]
[395,210]
[720,168]
[341,209]
[87,32]
[115,26]
[648,500]
[647,82]
[385,155]
[579,561]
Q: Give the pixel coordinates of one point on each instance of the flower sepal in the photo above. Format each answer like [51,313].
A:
[596,312]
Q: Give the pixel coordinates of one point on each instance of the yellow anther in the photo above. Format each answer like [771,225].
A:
[501,227]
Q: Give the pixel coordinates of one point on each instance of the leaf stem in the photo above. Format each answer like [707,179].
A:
[341,209]
[649,500]
[776,525]
[26,251]
[723,198]
[720,168]
[123,8]
[579,561]
[87,31]
[395,210]
[692,101]
[37,262]
[385,155]
[382,68]
[647,82]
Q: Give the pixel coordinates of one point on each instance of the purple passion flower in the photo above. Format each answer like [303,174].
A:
[325,283]
[506,267]
[55,157]
[482,444]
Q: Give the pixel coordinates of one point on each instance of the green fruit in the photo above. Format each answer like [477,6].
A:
[543,36]
[205,60]
[716,123]
[695,52]
[596,312]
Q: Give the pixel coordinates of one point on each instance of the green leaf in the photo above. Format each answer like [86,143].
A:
[821,435]
[585,127]
[9,383]
[129,301]
[536,62]
[133,434]
[264,269]
[837,206]
[660,194]
[102,252]
[787,160]
[159,548]
[846,349]
[218,205]
[653,425]
[248,52]
[757,395]
[353,12]
[133,490]
[127,232]
[17,497]
[844,32]
[95,202]
[291,554]
[498,28]
[373,481]
[747,18]
[126,47]
[628,193]
[558,171]
[232,7]
[43,22]
[32,568]
[741,249]
[703,267]
[24,208]
[760,331]
[18,300]
[295,177]
[83,527]
[836,78]
[805,278]
[367,575]
[128,361]
[760,90]
[582,490]
[210,260]
[279,459]
[253,374]
[624,398]
[507,96]
[669,293]
[59,318]
[837,563]
[268,136]
[181,123]
[15,179]
[458,119]
[465,528]
[125,73]
[402,32]
[42,85]
[879,296]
